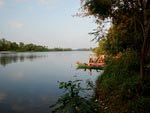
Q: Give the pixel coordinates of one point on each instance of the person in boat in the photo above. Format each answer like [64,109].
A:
[99,61]
[91,60]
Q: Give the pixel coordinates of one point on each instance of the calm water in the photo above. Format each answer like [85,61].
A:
[28,81]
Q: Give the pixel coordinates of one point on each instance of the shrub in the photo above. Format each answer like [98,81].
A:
[118,87]
[72,102]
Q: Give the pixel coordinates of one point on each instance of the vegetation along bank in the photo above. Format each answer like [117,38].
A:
[124,87]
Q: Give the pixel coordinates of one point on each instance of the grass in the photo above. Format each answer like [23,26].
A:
[85,66]
[118,89]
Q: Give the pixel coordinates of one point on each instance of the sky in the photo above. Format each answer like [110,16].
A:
[45,22]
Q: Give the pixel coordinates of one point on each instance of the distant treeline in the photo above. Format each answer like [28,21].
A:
[60,49]
[83,49]
[6,45]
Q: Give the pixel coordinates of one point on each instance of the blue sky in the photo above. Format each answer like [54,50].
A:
[45,22]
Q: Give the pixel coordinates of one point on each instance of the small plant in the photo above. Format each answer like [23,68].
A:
[72,102]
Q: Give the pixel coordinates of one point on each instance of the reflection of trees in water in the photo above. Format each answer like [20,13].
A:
[8,58]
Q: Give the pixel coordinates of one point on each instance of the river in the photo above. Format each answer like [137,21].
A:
[29,80]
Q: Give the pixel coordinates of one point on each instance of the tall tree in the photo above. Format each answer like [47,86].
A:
[130,17]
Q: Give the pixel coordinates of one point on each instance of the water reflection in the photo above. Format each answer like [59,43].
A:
[6,108]
[29,83]
[2,96]
[13,58]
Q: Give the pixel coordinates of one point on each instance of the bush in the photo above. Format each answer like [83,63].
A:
[72,102]
[118,87]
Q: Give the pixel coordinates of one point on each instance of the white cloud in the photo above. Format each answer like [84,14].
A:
[1,3]
[16,24]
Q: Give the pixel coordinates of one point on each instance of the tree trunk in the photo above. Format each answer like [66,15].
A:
[142,65]
[145,36]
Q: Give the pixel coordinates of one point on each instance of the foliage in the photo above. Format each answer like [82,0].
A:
[72,102]
[119,40]
[60,49]
[131,24]
[85,66]
[124,85]
[100,50]
[118,88]
[13,46]
[98,8]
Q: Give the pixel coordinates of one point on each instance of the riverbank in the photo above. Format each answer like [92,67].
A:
[86,66]
[120,90]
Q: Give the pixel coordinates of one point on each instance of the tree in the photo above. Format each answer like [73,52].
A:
[6,45]
[14,46]
[132,20]
[101,47]
[21,46]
